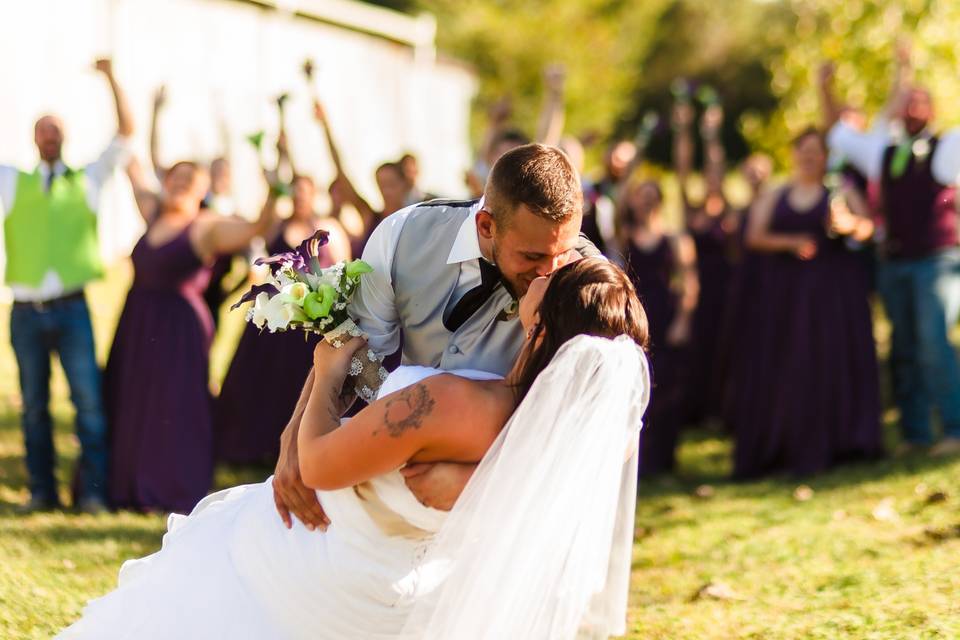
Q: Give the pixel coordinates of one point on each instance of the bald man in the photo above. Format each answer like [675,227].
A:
[50,236]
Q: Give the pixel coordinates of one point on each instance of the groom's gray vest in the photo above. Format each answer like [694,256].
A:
[424,285]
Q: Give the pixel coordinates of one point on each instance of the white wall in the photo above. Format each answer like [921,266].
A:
[223,59]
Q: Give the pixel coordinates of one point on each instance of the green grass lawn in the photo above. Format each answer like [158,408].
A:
[873,552]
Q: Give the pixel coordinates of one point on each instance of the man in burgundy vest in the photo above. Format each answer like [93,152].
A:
[919,268]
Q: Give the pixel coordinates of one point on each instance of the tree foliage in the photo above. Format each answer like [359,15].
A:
[860,37]
[761,56]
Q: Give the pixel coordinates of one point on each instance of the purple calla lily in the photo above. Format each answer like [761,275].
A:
[256,290]
[303,259]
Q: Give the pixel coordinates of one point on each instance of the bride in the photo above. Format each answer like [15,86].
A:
[537,547]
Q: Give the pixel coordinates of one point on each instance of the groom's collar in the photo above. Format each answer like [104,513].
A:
[467,244]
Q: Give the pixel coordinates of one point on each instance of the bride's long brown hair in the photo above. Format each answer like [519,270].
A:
[591,296]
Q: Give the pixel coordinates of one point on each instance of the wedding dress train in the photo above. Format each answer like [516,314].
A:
[538,547]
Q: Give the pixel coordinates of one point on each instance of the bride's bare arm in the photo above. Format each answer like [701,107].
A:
[439,418]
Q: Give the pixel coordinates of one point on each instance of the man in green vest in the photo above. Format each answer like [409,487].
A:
[50,237]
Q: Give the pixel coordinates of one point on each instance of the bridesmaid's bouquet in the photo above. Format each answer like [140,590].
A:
[301,295]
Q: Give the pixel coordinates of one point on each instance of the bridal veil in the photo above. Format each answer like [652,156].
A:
[539,546]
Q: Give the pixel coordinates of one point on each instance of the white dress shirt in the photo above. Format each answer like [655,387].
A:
[377,316]
[865,150]
[97,173]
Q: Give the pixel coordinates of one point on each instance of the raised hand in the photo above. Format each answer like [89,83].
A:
[711,121]
[903,51]
[104,66]
[319,113]
[500,111]
[160,96]
[682,115]
[554,76]
[826,74]
[308,68]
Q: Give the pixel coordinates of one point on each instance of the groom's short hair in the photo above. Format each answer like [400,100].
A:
[538,176]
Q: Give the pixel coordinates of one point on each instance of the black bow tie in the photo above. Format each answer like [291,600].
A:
[475,298]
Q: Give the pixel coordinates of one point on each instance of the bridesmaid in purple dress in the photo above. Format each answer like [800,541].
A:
[272,365]
[713,225]
[662,268]
[742,293]
[155,382]
[808,390]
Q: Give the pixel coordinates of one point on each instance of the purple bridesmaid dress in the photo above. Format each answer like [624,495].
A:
[807,392]
[651,272]
[262,386]
[714,245]
[155,382]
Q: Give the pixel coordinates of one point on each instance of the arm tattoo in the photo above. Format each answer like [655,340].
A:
[407,409]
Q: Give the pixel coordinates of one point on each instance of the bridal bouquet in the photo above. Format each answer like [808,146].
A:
[302,295]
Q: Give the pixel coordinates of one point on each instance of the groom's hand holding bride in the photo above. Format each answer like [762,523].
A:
[438,484]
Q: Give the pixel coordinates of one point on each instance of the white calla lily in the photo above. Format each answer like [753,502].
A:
[296,292]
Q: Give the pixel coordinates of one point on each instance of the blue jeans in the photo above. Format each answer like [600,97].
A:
[35,332]
[922,300]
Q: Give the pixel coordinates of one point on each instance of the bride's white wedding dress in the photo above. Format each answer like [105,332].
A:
[388,567]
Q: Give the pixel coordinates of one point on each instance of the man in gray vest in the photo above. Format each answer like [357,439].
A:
[447,275]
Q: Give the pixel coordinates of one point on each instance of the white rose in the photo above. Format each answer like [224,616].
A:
[258,316]
[278,314]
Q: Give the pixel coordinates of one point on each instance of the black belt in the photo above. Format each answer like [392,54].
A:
[43,305]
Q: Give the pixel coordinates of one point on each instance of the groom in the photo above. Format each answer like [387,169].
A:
[447,275]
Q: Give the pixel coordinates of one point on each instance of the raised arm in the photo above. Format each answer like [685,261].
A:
[148,201]
[117,153]
[683,151]
[552,116]
[829,106]
[363,207]
[715,158]
[425,421]
[686,267]
[899,87]
[338,244]
[498,115]
[217,235]
[283,150]
[124,115]
[159,99]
